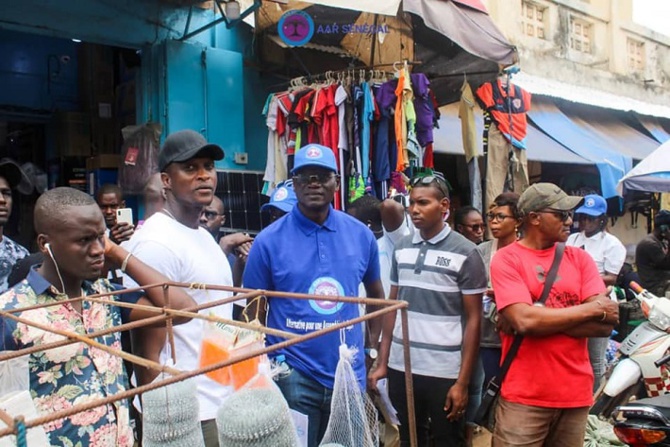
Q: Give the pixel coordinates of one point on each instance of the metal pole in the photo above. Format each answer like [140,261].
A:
[409,385]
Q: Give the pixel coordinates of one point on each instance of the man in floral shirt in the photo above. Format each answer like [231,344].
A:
[71,235]
[10,251]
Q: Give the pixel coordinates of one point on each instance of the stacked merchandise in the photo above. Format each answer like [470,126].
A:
[170,416]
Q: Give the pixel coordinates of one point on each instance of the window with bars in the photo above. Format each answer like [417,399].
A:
[580,35]
[533,20]
[636,59]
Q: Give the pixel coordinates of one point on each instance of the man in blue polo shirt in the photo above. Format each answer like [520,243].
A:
[317,250]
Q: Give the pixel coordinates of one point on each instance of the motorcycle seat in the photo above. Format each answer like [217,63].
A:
[661,403]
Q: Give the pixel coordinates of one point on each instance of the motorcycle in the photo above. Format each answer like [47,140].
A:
[645,422]
[636,375]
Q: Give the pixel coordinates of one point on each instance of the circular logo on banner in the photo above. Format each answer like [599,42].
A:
[280,194]
[326,286]
[295,28]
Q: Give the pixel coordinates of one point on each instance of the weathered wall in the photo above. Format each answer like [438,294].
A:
[606,67]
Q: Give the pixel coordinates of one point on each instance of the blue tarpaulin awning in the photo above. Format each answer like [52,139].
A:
[590,145]
[654,127]
[539,146]
[608,125]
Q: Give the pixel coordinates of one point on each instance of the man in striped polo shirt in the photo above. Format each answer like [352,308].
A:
[442,277]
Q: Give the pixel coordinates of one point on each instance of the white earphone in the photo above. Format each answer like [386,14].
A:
[48,247]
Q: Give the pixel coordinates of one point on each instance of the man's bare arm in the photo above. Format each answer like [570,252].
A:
[541,321]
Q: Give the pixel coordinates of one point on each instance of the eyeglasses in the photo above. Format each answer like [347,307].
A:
[210,215]
[563,215]
[476,227]
[304,179]
[429,179]
[497,217]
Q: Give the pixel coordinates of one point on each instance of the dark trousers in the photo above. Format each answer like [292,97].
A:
[430,395]
[491,363]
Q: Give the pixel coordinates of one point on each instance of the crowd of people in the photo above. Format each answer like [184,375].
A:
[470,300]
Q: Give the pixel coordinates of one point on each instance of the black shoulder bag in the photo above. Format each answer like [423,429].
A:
[485,416]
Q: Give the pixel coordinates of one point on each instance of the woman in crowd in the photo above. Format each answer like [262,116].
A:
[503,221]
[469,222]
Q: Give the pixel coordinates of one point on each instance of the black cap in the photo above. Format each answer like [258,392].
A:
[11,172]
[184,145]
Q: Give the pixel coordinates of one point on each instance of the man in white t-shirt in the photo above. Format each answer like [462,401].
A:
[609,255]
[173,242]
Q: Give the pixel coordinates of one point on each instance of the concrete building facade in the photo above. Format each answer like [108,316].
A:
[590,43]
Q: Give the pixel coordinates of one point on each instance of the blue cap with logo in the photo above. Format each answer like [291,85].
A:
[283,198]
[594,205]
[314,155]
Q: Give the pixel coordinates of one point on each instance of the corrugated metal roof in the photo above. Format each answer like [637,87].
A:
[589,96]
[312,46]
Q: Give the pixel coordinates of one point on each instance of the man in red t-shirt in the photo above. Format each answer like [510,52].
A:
[547,391]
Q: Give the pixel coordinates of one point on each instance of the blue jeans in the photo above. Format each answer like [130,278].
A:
[309,397]
[597,349]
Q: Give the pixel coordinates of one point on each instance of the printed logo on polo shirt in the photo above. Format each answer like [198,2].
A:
[442,261]
[314,152]
[326,286]
[280,194]
[590,203]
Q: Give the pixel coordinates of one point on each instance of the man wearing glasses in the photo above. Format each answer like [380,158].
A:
[212,217]
[546,394]
[317,250]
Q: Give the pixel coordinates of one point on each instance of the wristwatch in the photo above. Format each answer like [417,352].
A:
[372,353]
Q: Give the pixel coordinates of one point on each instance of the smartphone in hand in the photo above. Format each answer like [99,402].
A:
[124,215]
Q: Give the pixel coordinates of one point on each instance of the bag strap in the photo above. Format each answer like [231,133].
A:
[548,283]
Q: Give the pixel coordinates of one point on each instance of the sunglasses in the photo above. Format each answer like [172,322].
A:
[304,179]
[430,179]
[498,217]
[476,227]
[210,215]
[563,215]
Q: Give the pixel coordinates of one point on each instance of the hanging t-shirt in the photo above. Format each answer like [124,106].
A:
[366,122]
[340,98]
[381,155]
[508,113]
[270,114]
[423,106]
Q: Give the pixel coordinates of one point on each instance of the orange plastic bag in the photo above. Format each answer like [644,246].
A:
[242,372]
[217,342]
[222,342]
